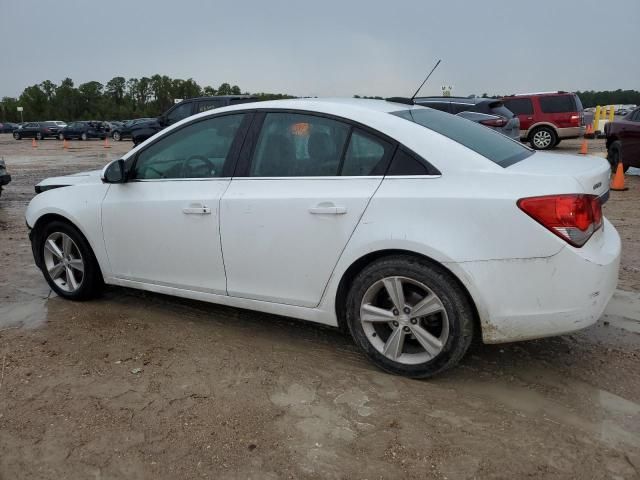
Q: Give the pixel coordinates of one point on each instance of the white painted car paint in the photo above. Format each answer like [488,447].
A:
[281,258]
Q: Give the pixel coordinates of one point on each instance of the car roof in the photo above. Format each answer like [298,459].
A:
[538,94]
[192,99]
[467,100]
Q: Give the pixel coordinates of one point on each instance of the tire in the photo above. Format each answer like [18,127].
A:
[543,138]
[88,281]
[61,136]
[17,136]
[452,325]
[38,136]
[614,155]
[84,136]
[116,136]
[558,140]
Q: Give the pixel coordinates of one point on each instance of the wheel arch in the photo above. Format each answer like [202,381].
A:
[535,126]
[358,265]
[51,217]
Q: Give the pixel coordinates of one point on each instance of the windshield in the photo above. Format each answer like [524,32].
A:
[492,145]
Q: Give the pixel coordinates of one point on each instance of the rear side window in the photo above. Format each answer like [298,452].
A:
[558,104]
[208,105]
[298,145]
[406,163]
[519,106]
[487,142]
[365,155]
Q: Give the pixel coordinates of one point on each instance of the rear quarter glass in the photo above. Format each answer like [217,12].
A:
[558,104]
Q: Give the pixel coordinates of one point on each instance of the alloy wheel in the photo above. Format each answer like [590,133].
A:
[404,320]
[542,139]
[63,261]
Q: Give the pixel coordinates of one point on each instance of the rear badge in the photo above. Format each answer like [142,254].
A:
[597,185]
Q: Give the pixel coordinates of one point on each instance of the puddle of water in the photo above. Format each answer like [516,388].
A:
[28,314]
[623,311]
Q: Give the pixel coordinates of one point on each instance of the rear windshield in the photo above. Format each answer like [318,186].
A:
[492,145]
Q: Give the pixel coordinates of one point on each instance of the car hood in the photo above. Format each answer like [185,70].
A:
[92,176]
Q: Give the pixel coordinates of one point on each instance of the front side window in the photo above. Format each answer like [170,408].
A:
[298,145]
[199,150]
[178,113]
[492,145]
[519,106]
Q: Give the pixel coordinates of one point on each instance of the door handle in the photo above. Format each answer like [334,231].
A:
[327,208]
[196,209]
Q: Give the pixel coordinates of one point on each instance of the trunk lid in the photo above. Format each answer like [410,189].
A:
[592,173]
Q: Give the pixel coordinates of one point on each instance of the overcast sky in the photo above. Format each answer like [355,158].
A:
[327,47]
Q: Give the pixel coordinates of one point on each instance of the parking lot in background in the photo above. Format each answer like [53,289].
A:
[135,382]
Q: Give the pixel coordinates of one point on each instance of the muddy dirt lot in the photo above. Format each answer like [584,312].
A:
[136,385]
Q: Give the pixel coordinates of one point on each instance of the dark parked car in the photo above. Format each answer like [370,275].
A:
[5,178]
[8,127]
[185,109]
[120,130]
[489,112]
[623,140]
[37,130]
[84,131]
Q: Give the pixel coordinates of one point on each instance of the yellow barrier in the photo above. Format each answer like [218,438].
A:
[611,112]
[596,119]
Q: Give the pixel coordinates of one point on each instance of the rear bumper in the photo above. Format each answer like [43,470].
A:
[522,299]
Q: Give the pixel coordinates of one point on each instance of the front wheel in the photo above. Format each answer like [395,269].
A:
[116,136]
[84,136]
[17,135]
[67,262]
[543,138]
[410,317]
[614,155]
[38,136]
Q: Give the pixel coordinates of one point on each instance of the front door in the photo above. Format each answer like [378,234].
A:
[523,108]
[286,221]
[162,226]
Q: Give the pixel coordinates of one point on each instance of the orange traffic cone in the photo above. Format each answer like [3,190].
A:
[106,142]
[617,184]
[34,144]
[589,132]
[584,148]
[65,145]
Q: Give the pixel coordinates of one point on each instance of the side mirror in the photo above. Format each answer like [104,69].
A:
[114,172]
[162,120]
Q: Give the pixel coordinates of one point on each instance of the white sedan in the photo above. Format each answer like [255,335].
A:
[413,229]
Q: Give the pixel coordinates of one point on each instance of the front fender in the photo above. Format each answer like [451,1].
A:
[80,205]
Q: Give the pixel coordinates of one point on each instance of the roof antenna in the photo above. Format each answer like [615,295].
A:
[425,80]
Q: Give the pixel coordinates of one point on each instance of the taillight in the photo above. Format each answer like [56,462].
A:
[575,120]
[494,122]
[573,217]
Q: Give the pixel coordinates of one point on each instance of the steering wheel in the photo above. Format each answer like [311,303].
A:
[188,167]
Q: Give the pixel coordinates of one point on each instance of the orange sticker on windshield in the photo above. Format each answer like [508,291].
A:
[300,129]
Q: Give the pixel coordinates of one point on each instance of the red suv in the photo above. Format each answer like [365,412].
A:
[546,118]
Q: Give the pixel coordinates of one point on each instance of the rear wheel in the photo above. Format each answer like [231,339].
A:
[410,317]
[61,136]
[38,136]
[543,138]
[116,136]
[17,135]
[84,136]
[614,155]
[67,262]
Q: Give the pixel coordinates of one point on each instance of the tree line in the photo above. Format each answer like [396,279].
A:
[117,99]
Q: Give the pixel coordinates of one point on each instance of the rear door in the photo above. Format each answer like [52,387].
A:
[302,187]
